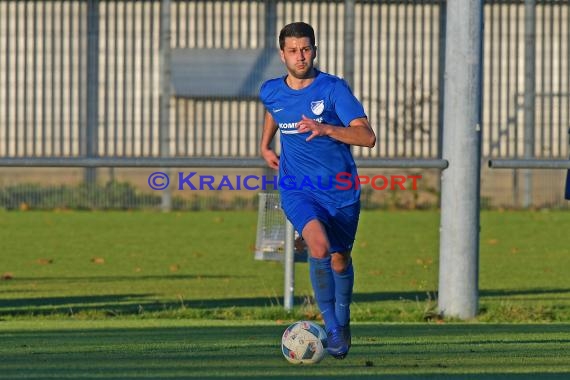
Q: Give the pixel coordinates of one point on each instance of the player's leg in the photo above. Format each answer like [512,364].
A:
[320,271]
[343,274]
[341,230]
[311,219]
[306,216]
[324,285]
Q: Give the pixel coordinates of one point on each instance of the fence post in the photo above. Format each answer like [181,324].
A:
[289,254]
[529,93]
[164,110]
[92,112]
[289,293]
[349,33]
[459,231]
[270,39]
[441,76]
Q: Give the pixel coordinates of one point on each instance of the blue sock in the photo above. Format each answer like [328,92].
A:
[323,285]
[343,283]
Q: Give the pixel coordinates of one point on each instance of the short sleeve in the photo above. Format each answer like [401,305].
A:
[346,106]
[263,92]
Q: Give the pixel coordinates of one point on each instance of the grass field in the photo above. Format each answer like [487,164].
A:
[171,349]
[150,295]
[200,264]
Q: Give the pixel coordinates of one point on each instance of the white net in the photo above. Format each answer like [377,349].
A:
[270,239]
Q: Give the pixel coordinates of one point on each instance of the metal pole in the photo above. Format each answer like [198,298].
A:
[441,76]
[529,93]
[271,26]
[92,114]
[289,256]
[288,298]
[529,164]
[348,59]
[567,184]
[459,241]
[269,51]
[164,111]
[202,162]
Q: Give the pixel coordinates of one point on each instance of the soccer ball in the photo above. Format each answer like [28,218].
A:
[304,342]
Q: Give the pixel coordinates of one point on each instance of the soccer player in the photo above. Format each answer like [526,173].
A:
[319,119]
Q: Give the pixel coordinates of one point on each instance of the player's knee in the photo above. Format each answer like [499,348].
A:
[319,251]
[339,263]
[338,267]
[318,246]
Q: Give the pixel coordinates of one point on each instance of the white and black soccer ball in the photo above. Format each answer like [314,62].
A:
[304,342]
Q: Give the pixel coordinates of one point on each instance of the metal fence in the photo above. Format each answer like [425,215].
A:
[82,78]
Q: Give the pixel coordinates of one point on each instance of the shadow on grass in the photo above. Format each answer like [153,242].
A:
[405,351]
[102,301]
[521,292]
[86,279]
[123,304]
[133,303]
[432,294]
[419,376]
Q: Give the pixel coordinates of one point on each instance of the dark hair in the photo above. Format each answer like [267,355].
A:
[296,29]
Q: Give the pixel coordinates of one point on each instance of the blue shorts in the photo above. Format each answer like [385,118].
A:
[340,223]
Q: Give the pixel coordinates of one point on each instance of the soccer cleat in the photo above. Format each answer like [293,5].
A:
[346,334]
[336,344]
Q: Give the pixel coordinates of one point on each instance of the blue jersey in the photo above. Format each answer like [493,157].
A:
[323,165]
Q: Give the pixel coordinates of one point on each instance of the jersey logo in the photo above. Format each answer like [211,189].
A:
[318,107]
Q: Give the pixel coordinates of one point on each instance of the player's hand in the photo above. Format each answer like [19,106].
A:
[310,125]
[271,158]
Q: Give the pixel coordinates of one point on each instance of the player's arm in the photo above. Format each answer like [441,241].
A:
[358,131]
[269,130]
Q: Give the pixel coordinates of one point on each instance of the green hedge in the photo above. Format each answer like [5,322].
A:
[113,195]
[116,195]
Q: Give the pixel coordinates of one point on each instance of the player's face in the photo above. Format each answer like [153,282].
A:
[298,55]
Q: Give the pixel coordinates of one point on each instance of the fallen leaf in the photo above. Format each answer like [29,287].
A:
[174,268]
